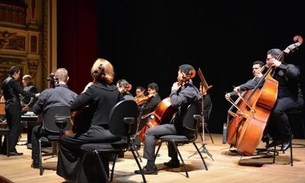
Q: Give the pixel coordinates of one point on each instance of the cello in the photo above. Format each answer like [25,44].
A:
[163,113]
[245,129]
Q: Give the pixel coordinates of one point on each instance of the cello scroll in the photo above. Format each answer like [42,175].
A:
[291,48]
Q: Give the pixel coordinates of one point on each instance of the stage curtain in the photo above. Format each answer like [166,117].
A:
[77,40]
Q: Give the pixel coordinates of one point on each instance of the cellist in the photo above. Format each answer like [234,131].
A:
[288,98]
[183,92]
[238,94]
[257,66]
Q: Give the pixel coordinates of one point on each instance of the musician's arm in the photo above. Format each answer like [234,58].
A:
[290,70]
[82,100]
[184,96]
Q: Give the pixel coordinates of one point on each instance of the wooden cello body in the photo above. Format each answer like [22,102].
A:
[253,126]
[234,124]
[163,113]
[245,129]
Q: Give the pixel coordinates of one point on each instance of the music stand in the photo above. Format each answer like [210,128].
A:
[205,85]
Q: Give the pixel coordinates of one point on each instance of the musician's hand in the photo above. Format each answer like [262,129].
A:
[227,96]
[175,86]
[237,89]
[25,108]
[276,63]
[203,90]
[273,62]
[37,94]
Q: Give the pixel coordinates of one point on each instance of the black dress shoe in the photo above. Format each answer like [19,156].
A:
[14,153]
[147,171]
[35,165]
[286,145]
[275,143]
[172,164]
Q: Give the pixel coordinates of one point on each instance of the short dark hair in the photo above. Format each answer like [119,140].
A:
[123,83]
[275,52]
[140,88]
[261,63]
[153,86]
[13,70]
[186,68]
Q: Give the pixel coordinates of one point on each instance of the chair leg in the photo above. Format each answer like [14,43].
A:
[54,150]
[8,145]
[180,156]
[40,157]
[101,166]
[291,154]
[158,150]
[139,165]
[204,163]
[133,146]
[113,165]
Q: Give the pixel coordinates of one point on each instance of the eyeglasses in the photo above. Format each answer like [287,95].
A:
[267,59]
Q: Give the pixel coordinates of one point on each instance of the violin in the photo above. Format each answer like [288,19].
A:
[144,99]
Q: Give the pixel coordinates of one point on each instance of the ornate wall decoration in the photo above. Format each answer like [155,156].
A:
[13,12]
[12,41]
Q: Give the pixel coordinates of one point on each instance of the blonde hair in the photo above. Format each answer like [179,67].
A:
[102,70]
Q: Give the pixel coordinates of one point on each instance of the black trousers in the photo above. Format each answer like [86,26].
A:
[278,125]
[13,117]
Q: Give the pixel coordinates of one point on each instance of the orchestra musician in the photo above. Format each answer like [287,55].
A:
[153,90]
[257,69]
[288,99]
[60,95]
[27,103]
[250,84]
[124,87]
[150,101]
[183,93]
[99,98]
[140,94]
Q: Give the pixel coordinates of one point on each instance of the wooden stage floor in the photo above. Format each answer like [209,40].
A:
[227,167]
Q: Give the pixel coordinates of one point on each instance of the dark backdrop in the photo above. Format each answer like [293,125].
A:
[147,40]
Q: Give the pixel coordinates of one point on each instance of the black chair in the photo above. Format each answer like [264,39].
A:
[299,115]
[122,123]
[191,122]
[144,110]
[56,121]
